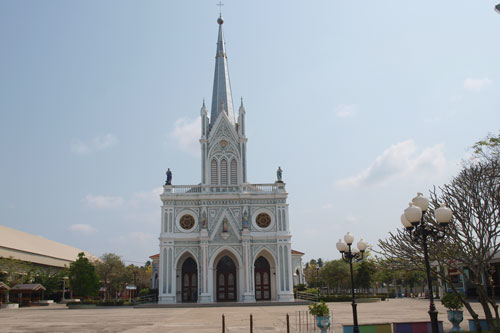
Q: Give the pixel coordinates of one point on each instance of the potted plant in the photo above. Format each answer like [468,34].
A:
[322,314]
[454,304]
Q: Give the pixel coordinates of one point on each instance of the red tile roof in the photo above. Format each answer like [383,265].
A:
[297,252]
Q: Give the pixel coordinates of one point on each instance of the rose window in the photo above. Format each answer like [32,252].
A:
[187,222]
[263,220]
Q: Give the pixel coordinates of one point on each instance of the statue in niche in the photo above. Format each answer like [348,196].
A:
[169,177]
[224,225]
[204,220]
[245,220]
[279,173]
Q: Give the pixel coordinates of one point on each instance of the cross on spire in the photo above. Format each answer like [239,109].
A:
[220,4]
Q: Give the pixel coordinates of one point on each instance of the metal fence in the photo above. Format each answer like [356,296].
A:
[146,299]
[305,322]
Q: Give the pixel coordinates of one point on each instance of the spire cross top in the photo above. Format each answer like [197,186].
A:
[220,4]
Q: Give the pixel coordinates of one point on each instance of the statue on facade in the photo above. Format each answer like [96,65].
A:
[245,220]
[169,177]
[224,225]
[204,221]
[279,173]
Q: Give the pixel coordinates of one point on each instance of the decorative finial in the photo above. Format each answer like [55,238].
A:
[242,101]
[220,20]
[203,101]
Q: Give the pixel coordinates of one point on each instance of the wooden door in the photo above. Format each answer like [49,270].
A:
[226,280]
[189,281]
[262,279]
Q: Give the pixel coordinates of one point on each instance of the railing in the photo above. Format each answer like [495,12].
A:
[306,322]
[251,188]
[307,296]
[146,299]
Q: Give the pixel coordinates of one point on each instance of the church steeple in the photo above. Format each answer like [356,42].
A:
[222,100]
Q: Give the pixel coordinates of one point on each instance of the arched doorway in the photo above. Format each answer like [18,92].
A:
[189,281]
[262,279]
[226,280]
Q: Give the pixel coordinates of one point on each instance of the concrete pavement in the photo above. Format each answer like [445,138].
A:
[58,318]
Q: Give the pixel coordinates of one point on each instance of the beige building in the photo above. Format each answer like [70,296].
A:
[35,249]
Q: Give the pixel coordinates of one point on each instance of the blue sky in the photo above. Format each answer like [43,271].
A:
[362,104]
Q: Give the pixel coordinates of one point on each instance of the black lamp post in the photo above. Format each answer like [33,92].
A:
[349,255]
[415,224]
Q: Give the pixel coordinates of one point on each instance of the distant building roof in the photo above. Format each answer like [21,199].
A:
[155,256]
[28,287]
[30,248]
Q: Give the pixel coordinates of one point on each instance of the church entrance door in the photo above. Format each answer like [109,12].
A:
[262,280]
[226,280]
[189,281]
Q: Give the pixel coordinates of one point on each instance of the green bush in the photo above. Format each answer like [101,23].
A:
[319,309]
[144,292]
[452,302]
[300,287]
[311,290]
[114,302]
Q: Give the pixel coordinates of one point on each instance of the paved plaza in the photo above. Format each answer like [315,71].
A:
[58,318]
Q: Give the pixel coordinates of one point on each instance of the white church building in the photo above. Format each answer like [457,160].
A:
[225,239]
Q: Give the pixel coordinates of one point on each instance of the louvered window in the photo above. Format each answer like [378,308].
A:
[213,173]
[234,172]
[223,172]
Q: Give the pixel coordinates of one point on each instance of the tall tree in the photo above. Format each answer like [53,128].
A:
[52,280]
[335,273]
[113,273]
[83,277]
[473,238]
[14,271]
[320,262]
[365,274]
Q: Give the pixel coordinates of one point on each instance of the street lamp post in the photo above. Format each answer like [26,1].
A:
[416,226]
[348,255]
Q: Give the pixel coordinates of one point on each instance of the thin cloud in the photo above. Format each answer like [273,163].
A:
[102,201]
[346,111]
[79,147]
[186,133]
[398,161]
[84,229]
[476,84]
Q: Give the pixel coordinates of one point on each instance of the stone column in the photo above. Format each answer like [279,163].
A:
[248,293]
[205,290]
[167,285]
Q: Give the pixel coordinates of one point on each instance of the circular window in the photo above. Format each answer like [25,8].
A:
[187,222]
[263,220]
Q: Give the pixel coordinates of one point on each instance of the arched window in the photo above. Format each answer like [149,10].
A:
[213,173]
[234,172]
[223,172]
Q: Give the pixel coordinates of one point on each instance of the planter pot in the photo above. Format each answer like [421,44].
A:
[323,322]
[455,317]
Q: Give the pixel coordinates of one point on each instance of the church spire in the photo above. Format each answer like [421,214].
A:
[222,100]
